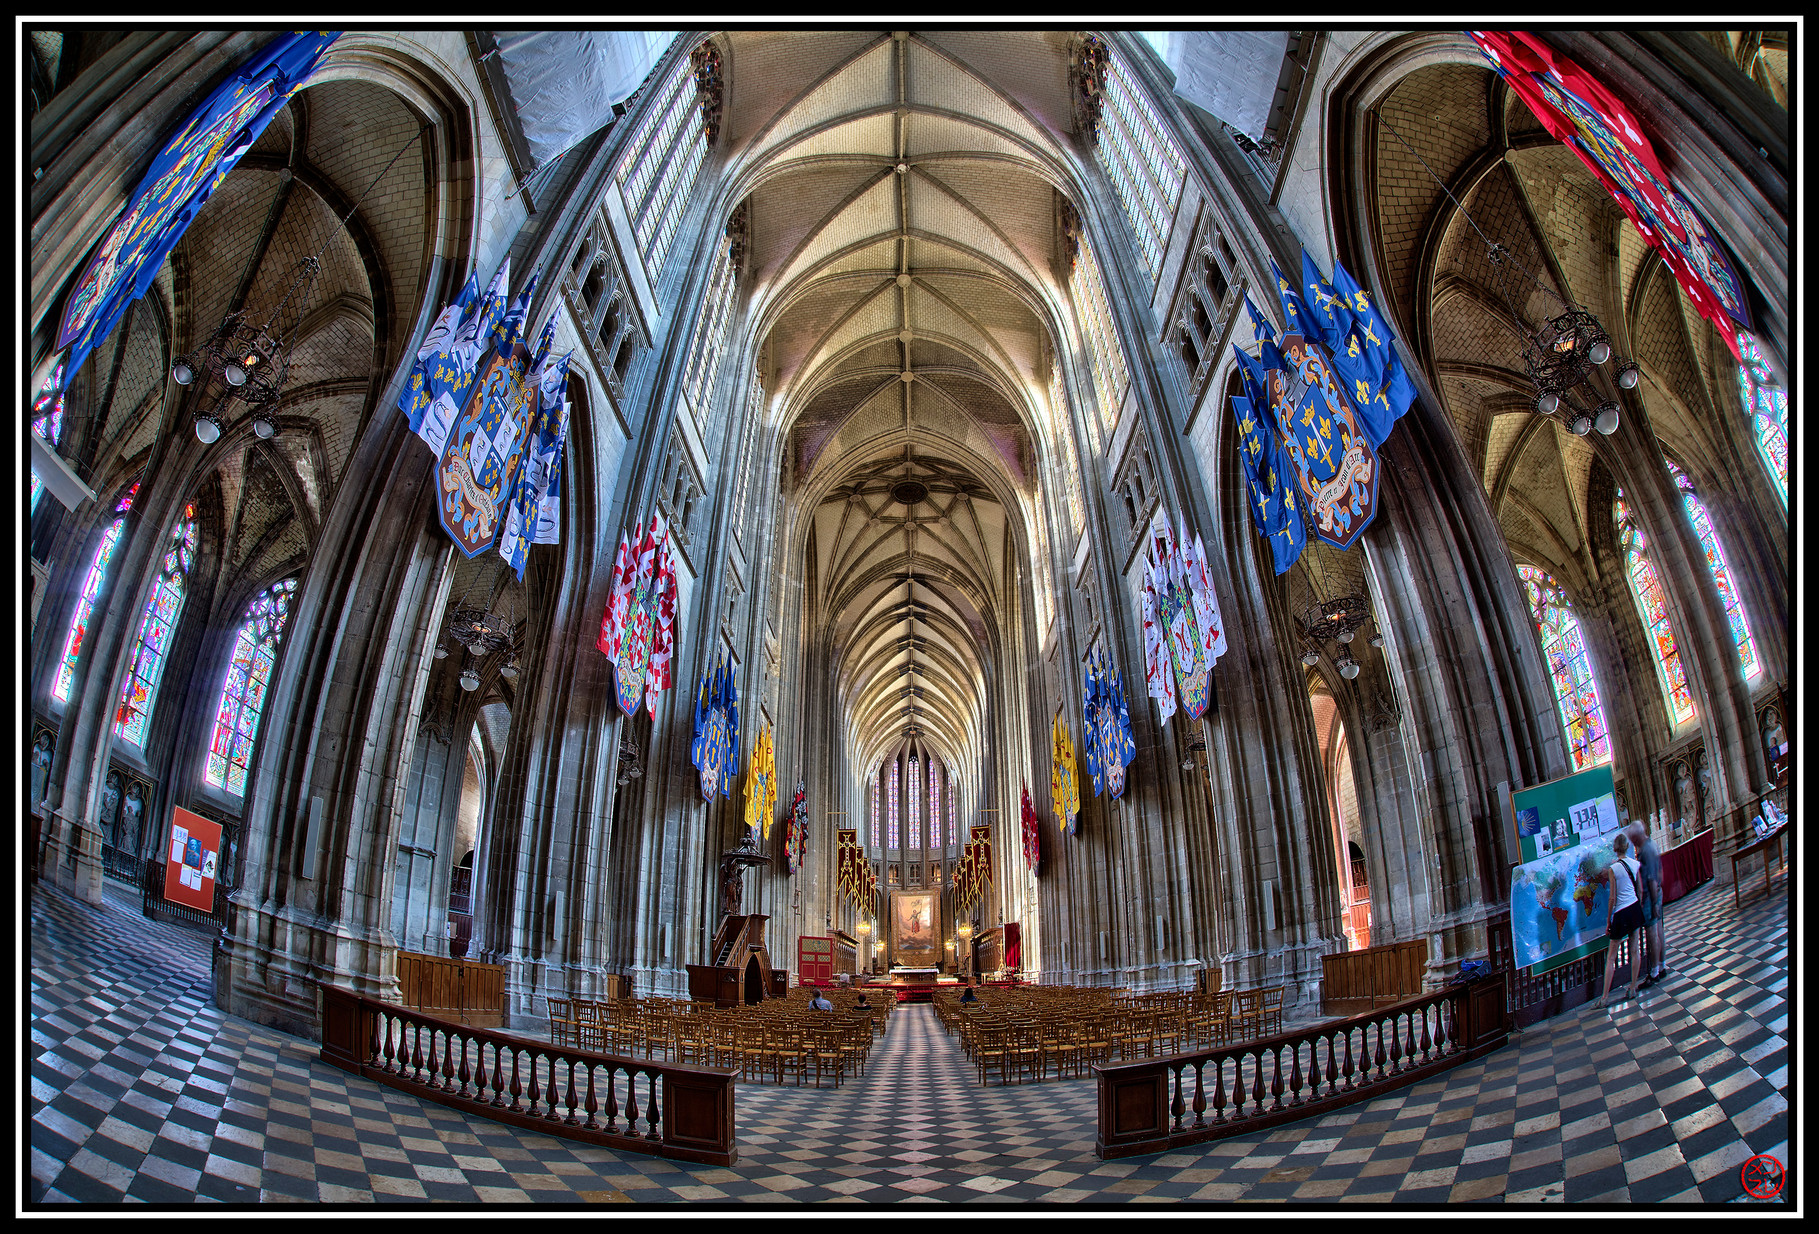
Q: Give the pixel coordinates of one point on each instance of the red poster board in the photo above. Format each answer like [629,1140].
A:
[190,865]
[814,960]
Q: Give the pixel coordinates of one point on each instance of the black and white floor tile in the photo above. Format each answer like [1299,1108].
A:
[141,1091]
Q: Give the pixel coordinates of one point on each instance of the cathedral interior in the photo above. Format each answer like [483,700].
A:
[900,345]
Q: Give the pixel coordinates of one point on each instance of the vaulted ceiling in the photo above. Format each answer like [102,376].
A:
[903,258]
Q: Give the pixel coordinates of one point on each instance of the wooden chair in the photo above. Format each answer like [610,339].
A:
[989,1051]
[1096,1042]
[1069,1048]
[787,1051]
[561,1020]
[1245,1021]
[826,1048]
[590,1033]
[1023,1050]
[1269,1012]
[1167,1029]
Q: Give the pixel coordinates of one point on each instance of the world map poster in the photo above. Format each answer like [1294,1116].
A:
[1563,833]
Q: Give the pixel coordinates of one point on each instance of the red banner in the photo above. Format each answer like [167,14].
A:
[195,854]
[1595,124]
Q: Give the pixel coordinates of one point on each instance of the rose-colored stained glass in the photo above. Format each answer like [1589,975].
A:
[1766,403]
[1721,574]
[1651,597]
[155,630]
[91,589]
[1575,690]
[230,753]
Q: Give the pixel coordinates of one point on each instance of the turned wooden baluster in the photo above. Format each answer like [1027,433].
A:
[447,1082]
[1176,1107]
[1257,1084]
[592,1105]
[631,1102]
[1379,1056]
[1332,1070]
[1346,1067]
[416,1051]
[552,1094]
[1396,1044]
[498,1074]
[652,1115]
[1294,1074]
[515,1088]
[535,1095]
[1427,1041]
[391,1044]
[373,1046]
[1276,1079]
[1218,1091]
[612,1098]
[463,1074]
[1200,1093]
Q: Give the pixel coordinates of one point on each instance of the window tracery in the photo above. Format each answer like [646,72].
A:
[1651,597]
[249,675]
[1575,689]
[1765,402]
[660,163]
[1143,163]
[1721,573]
[47,421]
[92,584]
[157,627]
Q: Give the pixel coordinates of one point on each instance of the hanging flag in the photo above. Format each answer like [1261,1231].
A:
[761,785]
[1064,778]
[449,373]
[612,622]
[510,327]
[485,449]
[1032,834]
[1158,672]
[638,624]
[715,748]
[1206,601]
[1332,313]
[1583,113]
[1110,745]
[1180,617]
[430,373]
[795,840]
[1124,752]
[524,507]
[1260,325]
[1297,317]
[184,173]
[663,631]
[1334,464]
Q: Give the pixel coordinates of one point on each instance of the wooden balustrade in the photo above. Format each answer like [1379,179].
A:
[1159,1104]
[638,1105]
[1359,980]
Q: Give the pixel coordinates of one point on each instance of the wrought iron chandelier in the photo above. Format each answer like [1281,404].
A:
[248,359]
[480,631]
[1567,353]
[1336,621]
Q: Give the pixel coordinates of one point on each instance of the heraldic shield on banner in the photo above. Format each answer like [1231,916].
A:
[1334,463]
[482,456]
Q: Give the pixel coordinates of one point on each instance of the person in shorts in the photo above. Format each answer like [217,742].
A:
[1625,879]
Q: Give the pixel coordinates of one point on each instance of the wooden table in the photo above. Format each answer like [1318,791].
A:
[1685,866]
[1771,840]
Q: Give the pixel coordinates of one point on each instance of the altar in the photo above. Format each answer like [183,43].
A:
[910,983]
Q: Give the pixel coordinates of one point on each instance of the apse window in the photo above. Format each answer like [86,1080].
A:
[249,675]
[1721,572]
[1570,669]
[92,584]
[157,627]
[1651,598]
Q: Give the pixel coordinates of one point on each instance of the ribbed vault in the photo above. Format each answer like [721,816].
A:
[903,239]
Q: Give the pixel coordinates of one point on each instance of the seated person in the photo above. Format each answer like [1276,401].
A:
[967,995]
[862,1004]
[819,1002]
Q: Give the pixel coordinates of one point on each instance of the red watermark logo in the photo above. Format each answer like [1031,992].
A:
[1763,1177]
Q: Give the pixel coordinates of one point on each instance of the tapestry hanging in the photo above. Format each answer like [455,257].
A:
[715,749]
[1183,633]
[1592,122]
[1032,834]
[637,631]
[1110,746]
[184,173]
[531,508]
[761,784]
[1064,778]
[795,837]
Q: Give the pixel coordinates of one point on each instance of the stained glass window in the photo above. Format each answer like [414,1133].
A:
[953,817]
[1766,403]
[1062,429]
[891,788]
[915,802]
[934,804]
[91,589]
[1143,163]
[156,628]
[660,165]
[877,792]
[249,674]
[1721,574]
[47,420]
[1563,646]
[1652,598]
[709,340]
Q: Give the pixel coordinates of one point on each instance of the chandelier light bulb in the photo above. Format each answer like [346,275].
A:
[509,670]
[1376,639]
[1600,352]
[1628,376]
[1348,668]
[1548,403]
[1310,658]
[1346,636]
[236,376]
[182,373]
[470,680]
[208,429]
[263,428]
[1606,423]
[476,648]
[441,652]
[1581,424]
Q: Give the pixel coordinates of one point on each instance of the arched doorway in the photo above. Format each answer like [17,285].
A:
[754,982]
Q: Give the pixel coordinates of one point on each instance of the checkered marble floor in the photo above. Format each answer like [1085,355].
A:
[141,1091]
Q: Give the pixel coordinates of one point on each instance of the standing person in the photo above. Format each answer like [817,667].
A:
[1624,877]
[1653,927]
